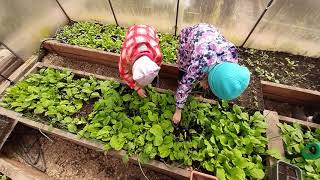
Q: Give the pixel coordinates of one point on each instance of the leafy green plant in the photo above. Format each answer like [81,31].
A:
[295,138]
[110,37]
[3,177]
[225,140]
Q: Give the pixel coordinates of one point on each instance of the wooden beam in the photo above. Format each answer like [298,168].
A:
[172,171]
[302,123]
[16,170]
[19,72]
[273,135]
[6,127]
[99,56]
[290,94]
[278,92]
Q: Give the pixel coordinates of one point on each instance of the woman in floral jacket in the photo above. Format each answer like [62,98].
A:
[205,55]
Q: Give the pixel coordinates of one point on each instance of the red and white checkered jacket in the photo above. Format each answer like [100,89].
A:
[140,40]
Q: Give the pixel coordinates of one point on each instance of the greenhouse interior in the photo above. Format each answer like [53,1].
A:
[161,90]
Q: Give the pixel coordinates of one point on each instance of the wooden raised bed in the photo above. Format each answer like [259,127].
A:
[99,56]
[175,172]
[274,91]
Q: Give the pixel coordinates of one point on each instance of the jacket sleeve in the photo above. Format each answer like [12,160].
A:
[185,85]
[125,71]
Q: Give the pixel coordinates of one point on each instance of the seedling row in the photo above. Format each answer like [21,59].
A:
[224,140]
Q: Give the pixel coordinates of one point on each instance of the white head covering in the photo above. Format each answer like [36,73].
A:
[144,70]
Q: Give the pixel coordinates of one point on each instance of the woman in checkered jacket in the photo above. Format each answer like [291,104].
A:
[140,58]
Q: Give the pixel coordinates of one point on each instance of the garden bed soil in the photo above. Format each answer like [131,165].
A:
[65,160]
[291,110]
[252,98]
[289,69]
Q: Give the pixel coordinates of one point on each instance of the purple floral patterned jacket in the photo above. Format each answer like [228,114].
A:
[200,46]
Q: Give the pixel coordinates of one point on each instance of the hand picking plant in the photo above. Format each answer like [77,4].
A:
[295,138]
[224,140]
[109,38]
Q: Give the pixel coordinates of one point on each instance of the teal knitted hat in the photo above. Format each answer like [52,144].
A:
[228,80]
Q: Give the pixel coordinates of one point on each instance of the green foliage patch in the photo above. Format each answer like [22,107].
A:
[295,139]
[110,37]
[225,140]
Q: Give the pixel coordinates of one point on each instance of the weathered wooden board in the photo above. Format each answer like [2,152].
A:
[99,56]
[290,94]
[273,134]
[302,123]
[19,72]
[18,171]
[6,127]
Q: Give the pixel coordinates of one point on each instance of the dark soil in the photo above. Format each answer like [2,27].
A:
[86,109]
[65,160]
[293,110]
[284,68]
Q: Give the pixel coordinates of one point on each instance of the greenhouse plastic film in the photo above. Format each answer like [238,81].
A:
[160,14]
[233,18]
[291,26]
[24,23]
[88,10]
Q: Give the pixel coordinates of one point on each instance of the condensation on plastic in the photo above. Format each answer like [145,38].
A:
[233,18]
[290,26]
[160,14]
[24,23]
[88,10]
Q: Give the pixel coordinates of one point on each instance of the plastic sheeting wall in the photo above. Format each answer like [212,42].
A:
[234,18]
[290,26]
[24,23]
[159,13]
[88,10]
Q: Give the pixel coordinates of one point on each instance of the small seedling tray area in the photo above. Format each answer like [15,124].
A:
[203,145]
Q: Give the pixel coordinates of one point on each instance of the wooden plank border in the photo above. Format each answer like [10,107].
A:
[19,72]
[273,135]
[285,93]
[98,56]
[274,91]
[302,123]
[16,170]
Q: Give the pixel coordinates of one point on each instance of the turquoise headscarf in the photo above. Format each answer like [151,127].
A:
[228,80]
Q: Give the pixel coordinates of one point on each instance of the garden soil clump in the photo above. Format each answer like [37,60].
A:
[284,68]
[65,160]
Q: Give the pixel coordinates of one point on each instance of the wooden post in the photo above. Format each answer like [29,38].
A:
[273,135]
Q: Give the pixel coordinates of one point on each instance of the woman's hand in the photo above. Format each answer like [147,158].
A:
[177,116]
[142,93]
[204,84]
